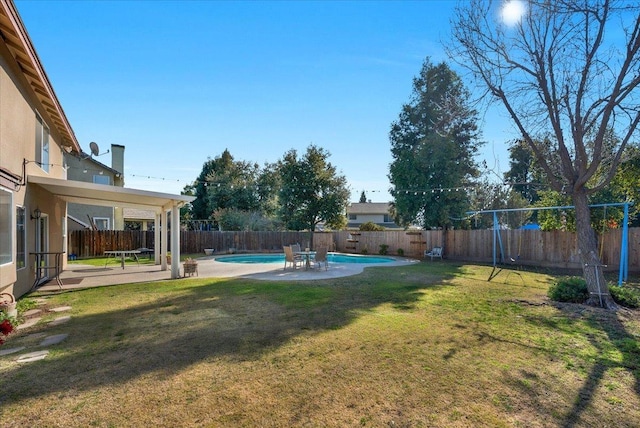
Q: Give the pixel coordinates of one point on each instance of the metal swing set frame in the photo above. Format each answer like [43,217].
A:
[623,272]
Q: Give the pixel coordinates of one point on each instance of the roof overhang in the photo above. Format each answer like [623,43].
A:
[111,196]
[15,36]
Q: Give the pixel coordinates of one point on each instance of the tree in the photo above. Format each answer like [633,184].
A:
[225,183]
[625,183]
[524,175]
[312,191]
[363,197]
[268,186]
[567,73]
[235,219]
[432,144]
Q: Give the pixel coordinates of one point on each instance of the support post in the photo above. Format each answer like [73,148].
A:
[165,238]
[497,239]
[156,240]
[624,247]
[175,241]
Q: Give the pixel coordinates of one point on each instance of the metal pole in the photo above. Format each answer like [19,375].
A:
[595,268]
[624,247]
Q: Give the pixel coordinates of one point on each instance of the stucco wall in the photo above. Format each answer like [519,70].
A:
[18,107]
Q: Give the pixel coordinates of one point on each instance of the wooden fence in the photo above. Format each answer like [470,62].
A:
[527,247]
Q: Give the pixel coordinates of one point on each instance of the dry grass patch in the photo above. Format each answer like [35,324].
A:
[424,345]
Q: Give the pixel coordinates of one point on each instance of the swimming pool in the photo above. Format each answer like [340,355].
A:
[279,258]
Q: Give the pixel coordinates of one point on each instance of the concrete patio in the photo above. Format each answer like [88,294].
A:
[79,276]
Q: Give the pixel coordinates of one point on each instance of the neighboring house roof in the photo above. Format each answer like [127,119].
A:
[15,36]
[369,208]
[81,223]
[88,158]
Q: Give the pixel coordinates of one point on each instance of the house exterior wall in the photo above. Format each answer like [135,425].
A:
[18,109]
[77,167]
[83,168]
[364,218]
[375,212]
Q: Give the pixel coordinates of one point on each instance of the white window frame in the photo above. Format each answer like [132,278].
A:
[107,220]
[42,143]
[101,179]
[21,236]
[7,227]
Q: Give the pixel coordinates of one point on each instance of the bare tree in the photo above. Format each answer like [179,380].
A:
[567,71]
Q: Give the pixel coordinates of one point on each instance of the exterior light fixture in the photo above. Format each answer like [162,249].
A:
[36,214]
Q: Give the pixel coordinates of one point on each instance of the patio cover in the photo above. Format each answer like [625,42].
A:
[111,196]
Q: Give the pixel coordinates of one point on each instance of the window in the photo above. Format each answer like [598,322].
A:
[101,179]
[42,143]
[102,223]
[353,217]
[21,238]
[6,227]
[387,218]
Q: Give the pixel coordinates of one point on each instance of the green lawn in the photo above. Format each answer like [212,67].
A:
[143,259]
[433,344]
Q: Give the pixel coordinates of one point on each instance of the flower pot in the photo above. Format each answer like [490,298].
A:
[8,304]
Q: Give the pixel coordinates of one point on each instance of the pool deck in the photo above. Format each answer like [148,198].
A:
[79,276]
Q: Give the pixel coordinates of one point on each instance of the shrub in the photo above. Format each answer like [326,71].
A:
[25,304]
[400,252]
[569,289]
[383,249]
[7,325]
[625,296]
[371,227]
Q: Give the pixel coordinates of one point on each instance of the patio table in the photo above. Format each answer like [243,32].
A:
[307,257]
[122,254]
[42,266]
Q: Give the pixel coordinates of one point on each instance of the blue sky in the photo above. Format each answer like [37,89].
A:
[176,82]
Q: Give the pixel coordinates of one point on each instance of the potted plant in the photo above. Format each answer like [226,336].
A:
[190,267]
[8,304]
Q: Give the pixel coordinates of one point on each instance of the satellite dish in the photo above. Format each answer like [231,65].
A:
[95,150]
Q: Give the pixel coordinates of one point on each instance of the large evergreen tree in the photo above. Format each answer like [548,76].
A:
[524,176]
[433,143]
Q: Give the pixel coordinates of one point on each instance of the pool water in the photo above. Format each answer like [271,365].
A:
[279,258]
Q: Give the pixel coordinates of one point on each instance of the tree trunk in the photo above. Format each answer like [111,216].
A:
[588,250]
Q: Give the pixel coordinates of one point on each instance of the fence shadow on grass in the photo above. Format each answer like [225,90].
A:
[199,320]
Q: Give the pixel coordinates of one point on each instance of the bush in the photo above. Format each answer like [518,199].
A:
[569,289]
[625,296]
[383,249]
[371,227]
[400,252]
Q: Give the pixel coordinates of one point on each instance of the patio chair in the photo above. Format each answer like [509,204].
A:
[321,257]
[295,248]
[435,252]
[289,258]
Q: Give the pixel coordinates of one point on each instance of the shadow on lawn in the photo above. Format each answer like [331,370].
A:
[628,347]
[200,320]
[616,334]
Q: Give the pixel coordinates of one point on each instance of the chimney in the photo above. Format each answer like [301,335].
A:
[117,158]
